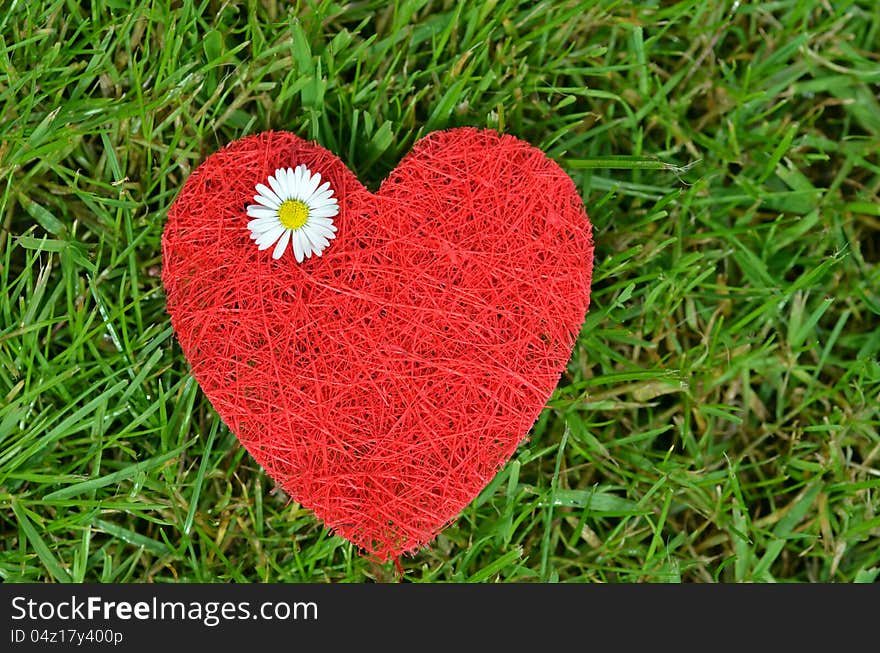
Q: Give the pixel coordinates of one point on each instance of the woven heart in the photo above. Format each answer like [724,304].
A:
[384,382]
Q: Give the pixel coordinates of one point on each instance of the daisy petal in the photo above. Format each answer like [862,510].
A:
[286,180]
[316,240]
[265,240]
[323,230]
[300,176]
[276,186]
[319,204]
[323,189]
[268,202]
[282,244]
[259,211]
[324,211]
[256,233]
[268,193]
[262,224]
[318,199]
[324,223]
[298,251]
[312,184]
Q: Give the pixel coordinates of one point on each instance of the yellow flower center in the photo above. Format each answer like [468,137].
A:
[293,214]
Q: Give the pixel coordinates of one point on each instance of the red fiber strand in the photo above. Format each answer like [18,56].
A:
[385,383]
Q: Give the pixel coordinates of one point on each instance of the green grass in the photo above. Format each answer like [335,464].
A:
[719,417]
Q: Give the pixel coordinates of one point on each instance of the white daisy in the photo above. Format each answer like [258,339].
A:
[295,208]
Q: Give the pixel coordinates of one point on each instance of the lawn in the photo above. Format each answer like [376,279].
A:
[718,420]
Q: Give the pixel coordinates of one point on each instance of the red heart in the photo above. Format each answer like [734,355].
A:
[383,384]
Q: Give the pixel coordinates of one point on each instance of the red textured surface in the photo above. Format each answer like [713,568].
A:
[384,384]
